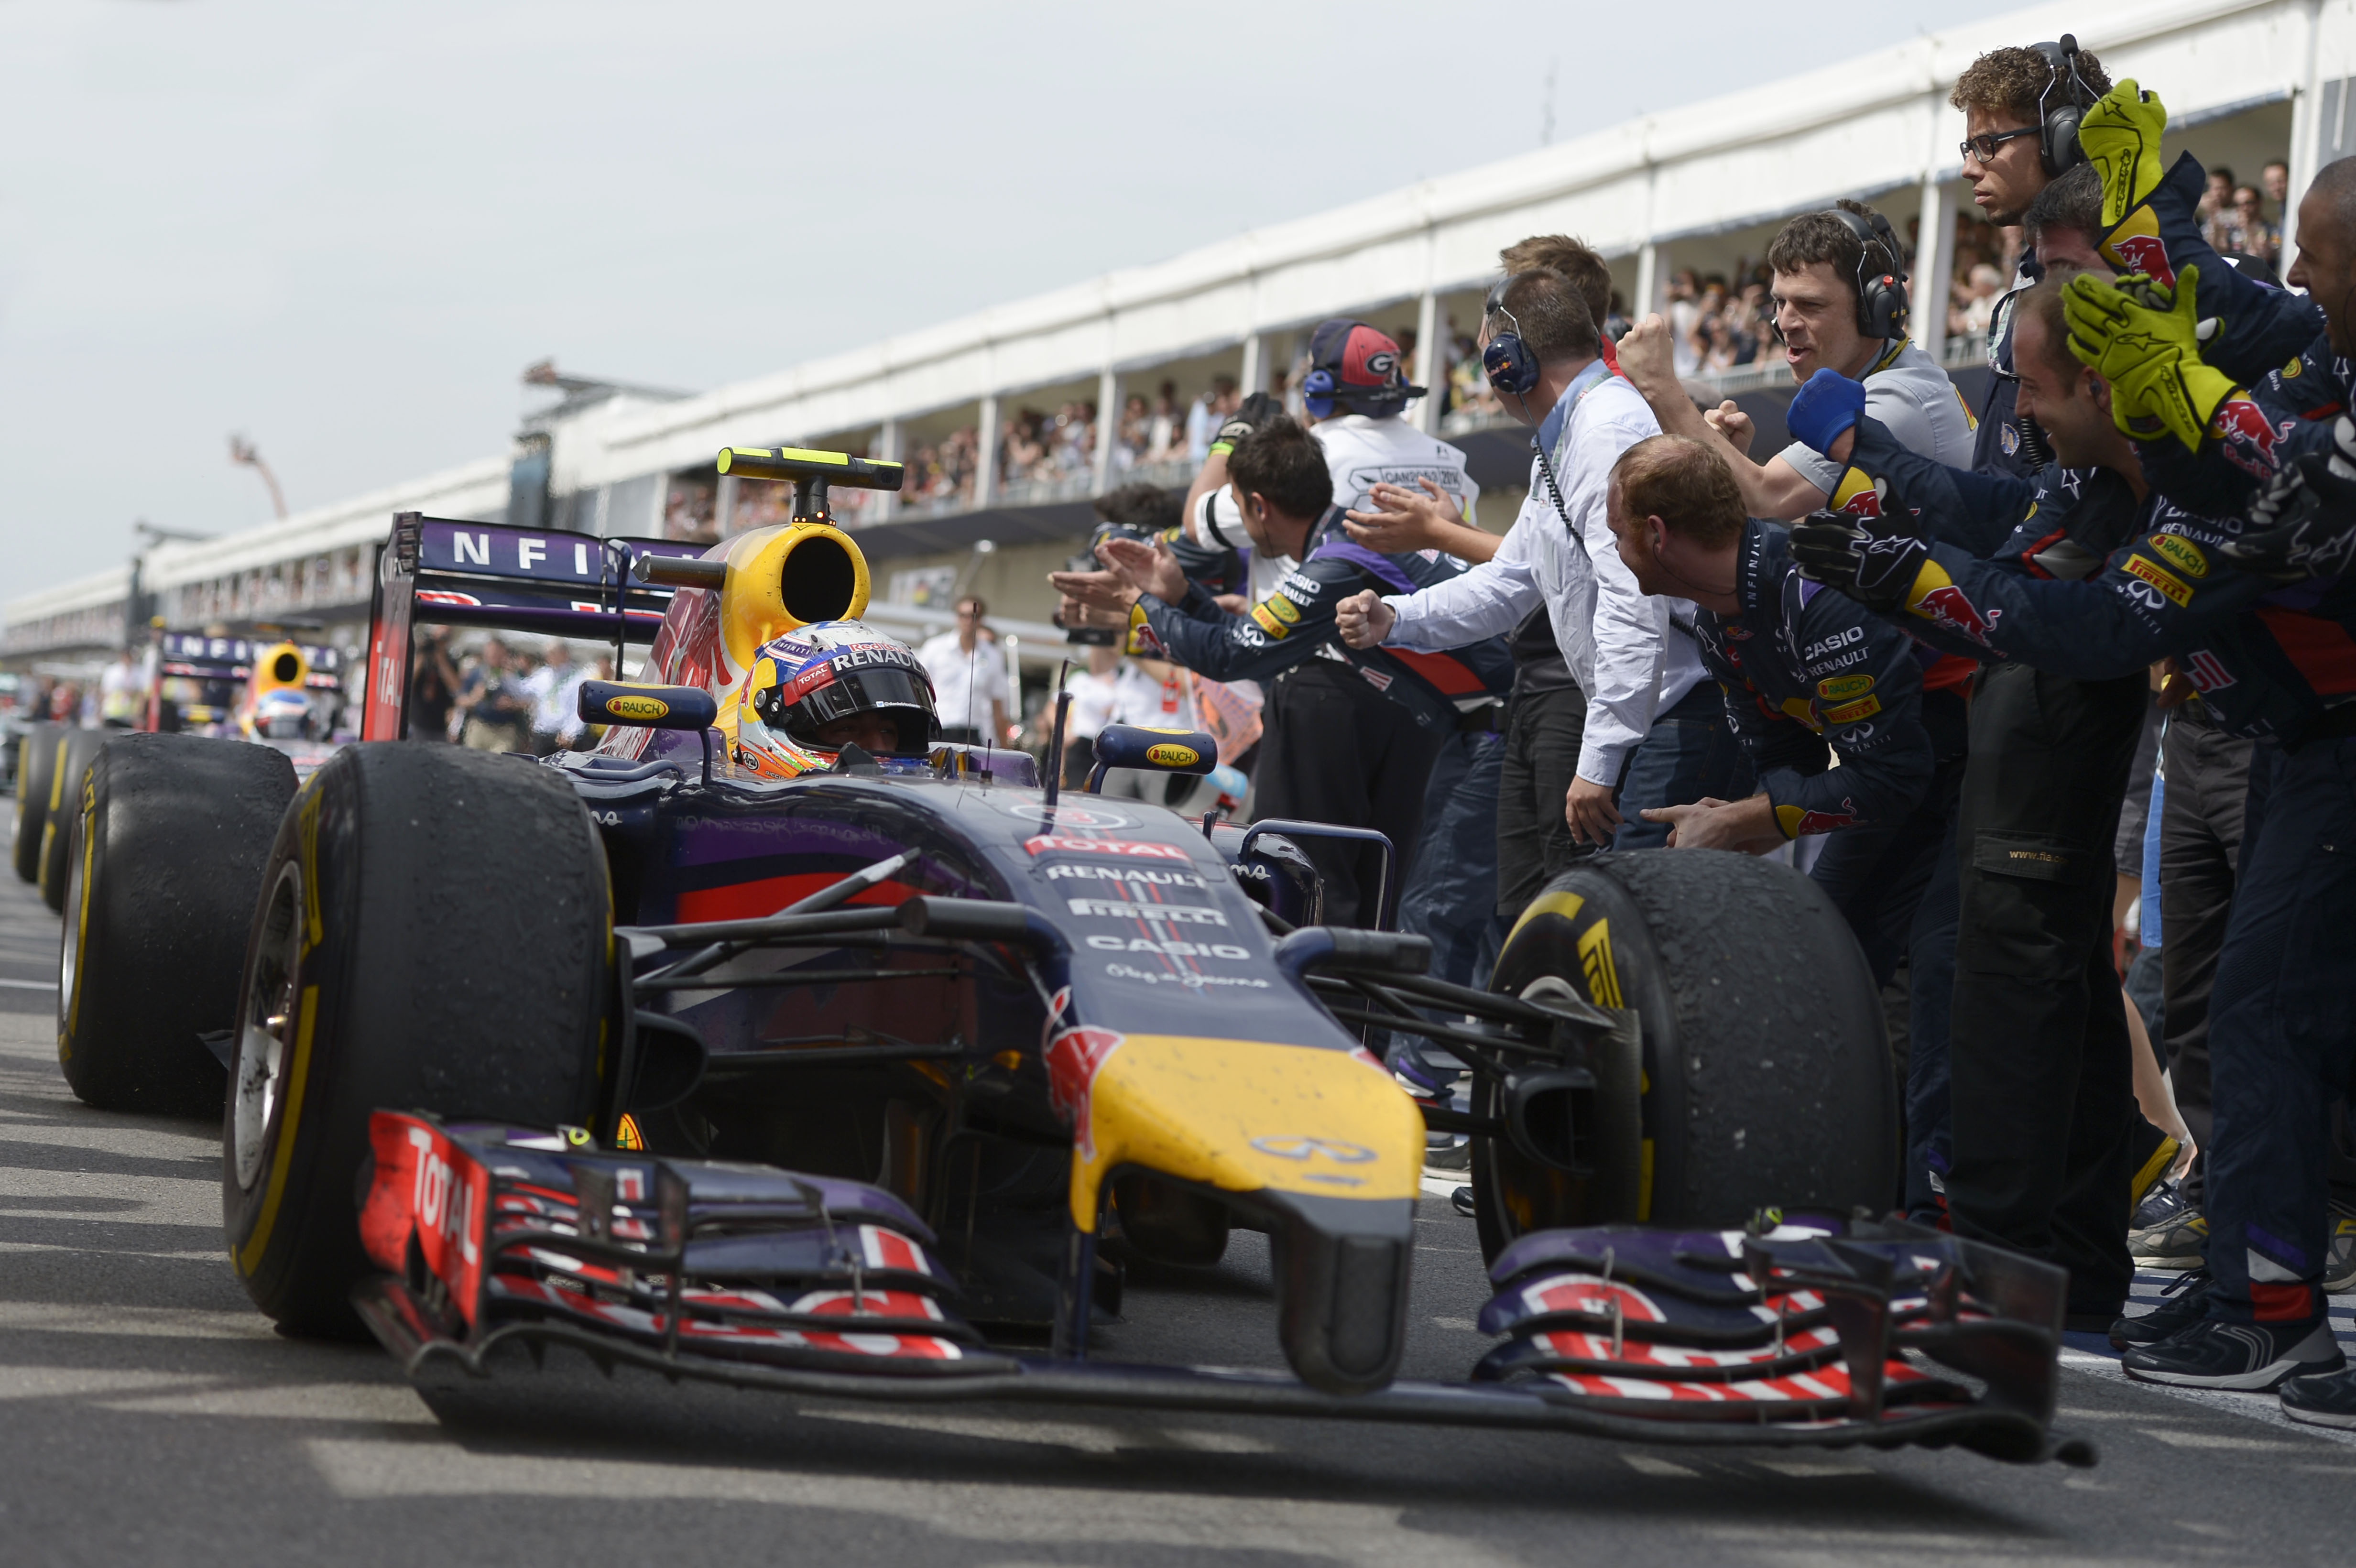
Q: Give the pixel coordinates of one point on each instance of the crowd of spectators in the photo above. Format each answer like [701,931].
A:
[491,697]
[2235,215]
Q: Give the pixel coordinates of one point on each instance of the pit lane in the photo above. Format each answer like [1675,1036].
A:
[152,1414]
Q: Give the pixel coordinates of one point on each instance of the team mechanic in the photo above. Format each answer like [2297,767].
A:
[1799,669]
[2260,616]
[1653,736]
[1351,735]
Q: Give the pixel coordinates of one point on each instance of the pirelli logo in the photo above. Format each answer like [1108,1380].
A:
[1850,712]
[1595,960]
[2173,588]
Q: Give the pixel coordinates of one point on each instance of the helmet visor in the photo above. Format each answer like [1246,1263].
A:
[899,693]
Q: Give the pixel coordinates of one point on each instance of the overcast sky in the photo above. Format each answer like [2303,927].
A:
[342,230]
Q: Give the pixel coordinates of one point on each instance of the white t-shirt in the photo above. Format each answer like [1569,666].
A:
[1139,699]
[1913,399]
[1362,452]
[1092,701]
[963,683]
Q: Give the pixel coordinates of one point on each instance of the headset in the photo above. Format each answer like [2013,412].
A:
[1880,297]
[2057,134]
[1510,366]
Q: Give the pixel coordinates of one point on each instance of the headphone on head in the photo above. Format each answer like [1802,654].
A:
[2057,123]
[1880,296]
[1507,360]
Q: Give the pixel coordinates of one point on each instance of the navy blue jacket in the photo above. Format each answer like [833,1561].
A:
[1296,622]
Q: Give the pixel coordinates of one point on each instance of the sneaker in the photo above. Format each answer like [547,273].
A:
[1454,1158]
[2248,1356]
[2161,1202]
[2340,1261]
[1461,1201]
[2328,1400]
[2179,1242]
[2189,1304]
[2152,1176]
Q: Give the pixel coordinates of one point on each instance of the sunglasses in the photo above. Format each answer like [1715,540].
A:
[1984,147]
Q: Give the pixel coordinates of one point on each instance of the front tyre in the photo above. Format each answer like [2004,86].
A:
[434,934]
[168,838]
[1765,1070]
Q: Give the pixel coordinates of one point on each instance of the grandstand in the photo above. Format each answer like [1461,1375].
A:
[1701,188]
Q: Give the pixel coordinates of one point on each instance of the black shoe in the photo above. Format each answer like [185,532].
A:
[1461,1201]
[2170,1318]
[2328,1400]
[2250,1356]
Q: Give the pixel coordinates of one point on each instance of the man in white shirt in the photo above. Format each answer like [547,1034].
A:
[1655,734]
[1840,302]
[553,688]
[969,678]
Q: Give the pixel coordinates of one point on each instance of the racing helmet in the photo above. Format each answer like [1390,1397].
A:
[815,675]
[281,715]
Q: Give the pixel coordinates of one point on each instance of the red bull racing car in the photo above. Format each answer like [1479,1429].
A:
[776,1043]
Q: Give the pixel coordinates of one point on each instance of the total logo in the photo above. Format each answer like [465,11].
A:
[1127,849]
[442,1200]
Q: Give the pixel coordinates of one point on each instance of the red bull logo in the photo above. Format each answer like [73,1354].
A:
[2248,435]
[2135,246]
[1949,608]
[1072,1059]
[1857,496]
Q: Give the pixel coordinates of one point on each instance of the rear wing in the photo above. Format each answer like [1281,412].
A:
[231,658]
[549,581]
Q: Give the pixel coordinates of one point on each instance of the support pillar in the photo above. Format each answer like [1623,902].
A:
[1428,363]
[1934,260]
[1252,379]
[1108,425]
[889,440]
[1648,280]
[985,457]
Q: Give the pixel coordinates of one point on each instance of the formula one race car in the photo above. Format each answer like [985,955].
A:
[777,1043]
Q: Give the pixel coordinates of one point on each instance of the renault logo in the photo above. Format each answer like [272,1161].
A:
[1309,1148]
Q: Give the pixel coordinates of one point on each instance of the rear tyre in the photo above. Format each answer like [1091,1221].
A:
[434,934]
[164,860]
[1766,1070]
[74,753]
[37,764]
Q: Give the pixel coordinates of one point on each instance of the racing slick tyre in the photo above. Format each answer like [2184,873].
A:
[1765,1071]
[167,839]
[37,760]
[74,752]
[434,934]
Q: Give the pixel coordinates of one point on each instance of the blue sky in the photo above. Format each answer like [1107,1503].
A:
[342,230]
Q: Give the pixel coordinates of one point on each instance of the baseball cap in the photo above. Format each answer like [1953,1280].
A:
[1358,366]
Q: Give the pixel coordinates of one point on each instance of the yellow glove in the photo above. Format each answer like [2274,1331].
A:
[2121,137]
[2145,341]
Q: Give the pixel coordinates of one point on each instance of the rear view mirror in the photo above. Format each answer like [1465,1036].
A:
[655,707]
[1157,750]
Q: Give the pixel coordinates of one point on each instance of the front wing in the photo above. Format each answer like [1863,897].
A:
[1815,1332]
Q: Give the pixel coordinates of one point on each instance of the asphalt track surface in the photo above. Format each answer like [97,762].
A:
[148,1415]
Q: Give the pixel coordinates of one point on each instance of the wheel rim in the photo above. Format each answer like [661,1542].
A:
[265,1027]
[1507,1178]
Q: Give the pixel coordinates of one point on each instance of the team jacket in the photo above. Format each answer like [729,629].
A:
[1800,667]
[2267,660]
[1296,622]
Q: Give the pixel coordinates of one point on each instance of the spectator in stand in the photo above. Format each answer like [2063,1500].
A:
[1163,435]
[2216,204]
[1975,307]
[495,713]
[2276,179]
[2256,236]
[1683,297]
[968,677]
[1210,411]
[1135,437]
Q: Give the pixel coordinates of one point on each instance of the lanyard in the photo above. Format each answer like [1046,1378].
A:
[1586,381]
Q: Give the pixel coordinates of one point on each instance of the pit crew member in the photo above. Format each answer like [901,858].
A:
[2241,608]
[1350,734]
[1799,668]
